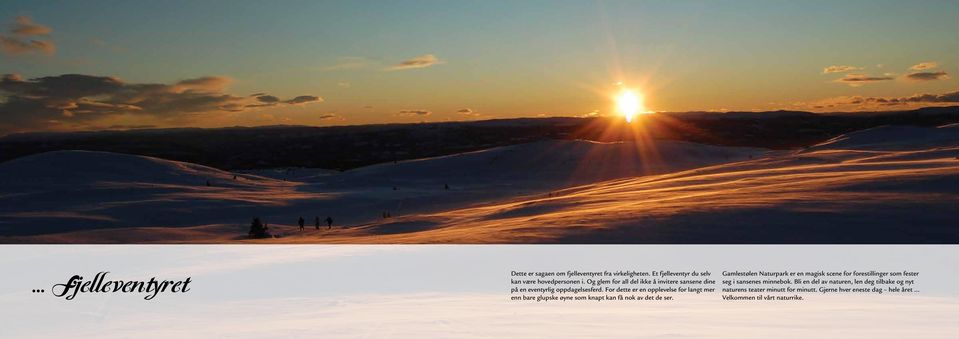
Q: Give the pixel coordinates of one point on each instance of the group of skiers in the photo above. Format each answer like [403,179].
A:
[316,222]
[260,229]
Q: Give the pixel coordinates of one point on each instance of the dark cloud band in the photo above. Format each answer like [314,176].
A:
[78,99]
[927,76]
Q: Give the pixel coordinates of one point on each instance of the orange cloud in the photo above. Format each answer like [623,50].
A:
[24,26]
[421,61]
[924,66]
[840,69]
[856,80]
[414,112]
[870,103]
[927,76]
[18,41]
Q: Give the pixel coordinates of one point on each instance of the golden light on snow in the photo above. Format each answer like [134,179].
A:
[629,103]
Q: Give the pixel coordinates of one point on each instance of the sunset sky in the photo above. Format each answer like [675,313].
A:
[121,64]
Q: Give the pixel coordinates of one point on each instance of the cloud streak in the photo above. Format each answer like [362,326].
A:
[414,112]
[840,69]
[24,26]
[857,79]
[950,97]
[266,100]
[303,99]
[924,66]
[871,102]
[22,38]
[421,61]
[927,76]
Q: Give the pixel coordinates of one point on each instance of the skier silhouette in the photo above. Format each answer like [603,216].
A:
[329,222]
[317,222]
[301,221]
[446,187]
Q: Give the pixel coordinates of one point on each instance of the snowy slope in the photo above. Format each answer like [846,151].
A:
[78,191]
[891,138]
[91,168]
[889,184]
[884,185]
[548,162]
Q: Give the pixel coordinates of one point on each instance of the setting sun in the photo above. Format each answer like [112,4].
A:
[629,103]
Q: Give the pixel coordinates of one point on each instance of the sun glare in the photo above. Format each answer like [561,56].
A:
[629,103]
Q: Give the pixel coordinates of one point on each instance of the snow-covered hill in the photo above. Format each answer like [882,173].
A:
[888,184]
[80,191]
[91,168]
[893,138]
